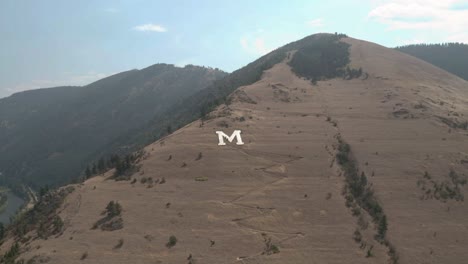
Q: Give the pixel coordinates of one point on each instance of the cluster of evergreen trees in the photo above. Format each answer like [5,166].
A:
[324,58]
[359,190]
[352,73]
[452,57]
[42,216]
[10,256]
[123,165]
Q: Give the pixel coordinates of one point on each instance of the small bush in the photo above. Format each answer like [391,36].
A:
[58,224]
[112,224]
[113,209]
[357,236]
[119,244]
[382,227]
[270,248]
[274,249]
[172,241]
[369,252]
[84,256]
[113,220]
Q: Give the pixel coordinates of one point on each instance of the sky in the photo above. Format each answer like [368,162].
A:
[51,43]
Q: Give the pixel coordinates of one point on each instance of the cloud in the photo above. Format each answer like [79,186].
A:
[444,17]
[316,22]
[111,10]
[412,41]
[244,43]
[150,27]
[255,45]
[458,37]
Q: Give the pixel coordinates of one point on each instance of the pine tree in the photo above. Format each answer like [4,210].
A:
[88,172]
[94,170]
[2,230]
[382,229]
[101,165]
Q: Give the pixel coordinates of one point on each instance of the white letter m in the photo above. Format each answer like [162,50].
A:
[236,134]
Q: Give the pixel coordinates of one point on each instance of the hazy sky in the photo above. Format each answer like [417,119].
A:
[63,42]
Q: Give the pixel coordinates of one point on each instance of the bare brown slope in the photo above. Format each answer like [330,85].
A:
[399,146]
[283,183]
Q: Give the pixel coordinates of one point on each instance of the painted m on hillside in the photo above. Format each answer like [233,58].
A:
[235,135]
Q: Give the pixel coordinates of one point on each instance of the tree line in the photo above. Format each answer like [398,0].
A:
[123,165]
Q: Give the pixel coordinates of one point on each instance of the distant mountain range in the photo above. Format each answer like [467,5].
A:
[452,57]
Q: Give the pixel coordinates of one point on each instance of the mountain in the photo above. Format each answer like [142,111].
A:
[353,153]
[49,136]
[452,57]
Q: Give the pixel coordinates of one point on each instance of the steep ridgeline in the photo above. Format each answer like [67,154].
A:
[452,57]
[48,136]
[334,169]
[201,103]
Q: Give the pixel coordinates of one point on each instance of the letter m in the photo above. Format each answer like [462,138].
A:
[235,135]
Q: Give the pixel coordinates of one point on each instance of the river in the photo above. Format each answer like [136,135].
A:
[14,203]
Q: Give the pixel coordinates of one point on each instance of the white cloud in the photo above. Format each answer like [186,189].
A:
[255,45]
[111,10]
[316,22]
[244,43]
[412,41]
[443,17]
[458,37]
[150,27]
[259,45]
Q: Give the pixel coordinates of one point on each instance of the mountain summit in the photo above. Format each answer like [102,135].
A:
[353,153]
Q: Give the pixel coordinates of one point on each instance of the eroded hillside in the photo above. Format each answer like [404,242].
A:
[306,187]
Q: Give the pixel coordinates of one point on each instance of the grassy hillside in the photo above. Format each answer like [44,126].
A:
[48,136]
[204,101]
[346,170]
[51,135]
[452,57]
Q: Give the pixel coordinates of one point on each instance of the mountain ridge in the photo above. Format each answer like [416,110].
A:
[89,116]
[451,57]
